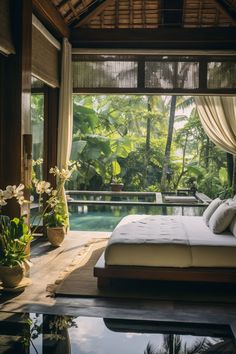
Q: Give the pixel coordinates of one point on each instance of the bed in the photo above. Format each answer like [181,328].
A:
[160,247]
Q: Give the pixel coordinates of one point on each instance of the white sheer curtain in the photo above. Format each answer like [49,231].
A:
[218,117]
[65,124]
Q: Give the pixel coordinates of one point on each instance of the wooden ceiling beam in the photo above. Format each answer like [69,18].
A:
[51,17]
[224,7]
[75,6]
[162,38]
[94,9]
[61,4]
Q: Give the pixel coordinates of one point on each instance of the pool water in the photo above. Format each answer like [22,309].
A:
[54,334]
[105,218]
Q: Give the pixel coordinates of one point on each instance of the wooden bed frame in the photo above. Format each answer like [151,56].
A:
[106,273]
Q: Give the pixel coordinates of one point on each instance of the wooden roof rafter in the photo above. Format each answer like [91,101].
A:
[227,9]
[94,9]
[61,4]
[51,17]
[75,8]
[145,14]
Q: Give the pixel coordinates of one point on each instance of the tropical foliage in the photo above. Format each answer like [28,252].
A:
[175,344]
[151,142]
[14,237]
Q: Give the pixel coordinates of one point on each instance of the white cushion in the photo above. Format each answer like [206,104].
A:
[211,209]
[232,226]
[222,217]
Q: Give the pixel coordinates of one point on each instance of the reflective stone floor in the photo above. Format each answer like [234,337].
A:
[31,333]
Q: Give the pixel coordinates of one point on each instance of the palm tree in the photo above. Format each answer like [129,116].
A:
[166,161]
[177,79]
[173,344]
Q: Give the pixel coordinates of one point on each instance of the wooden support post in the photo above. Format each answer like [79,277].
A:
[51,110]
[16,91]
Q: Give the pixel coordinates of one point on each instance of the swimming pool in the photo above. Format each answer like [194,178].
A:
[41,333]
[106,217]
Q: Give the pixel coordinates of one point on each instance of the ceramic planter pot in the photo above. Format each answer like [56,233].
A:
[117,187]
[11,277]
[56,235]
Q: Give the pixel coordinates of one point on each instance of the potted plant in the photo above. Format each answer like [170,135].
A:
[15,236]
[56,224]
[117,184]
[55,214]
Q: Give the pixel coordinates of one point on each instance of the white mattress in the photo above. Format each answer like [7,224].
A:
[169,241]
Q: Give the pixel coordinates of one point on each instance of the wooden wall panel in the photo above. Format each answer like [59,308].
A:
[16,83]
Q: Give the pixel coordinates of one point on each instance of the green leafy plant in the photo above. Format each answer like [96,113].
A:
[15,235]
[117,180]
[55,219]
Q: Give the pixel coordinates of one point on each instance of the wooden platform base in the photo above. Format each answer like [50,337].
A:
[105,273]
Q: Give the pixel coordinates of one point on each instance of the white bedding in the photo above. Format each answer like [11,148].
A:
[169,241]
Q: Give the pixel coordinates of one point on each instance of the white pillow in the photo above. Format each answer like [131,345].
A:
[222,217]
[232,226]
[211,209]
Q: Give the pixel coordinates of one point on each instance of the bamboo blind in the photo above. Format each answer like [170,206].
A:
[6,43]
[45,59]
[101,72]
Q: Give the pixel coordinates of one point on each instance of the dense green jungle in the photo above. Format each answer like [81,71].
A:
[149,143]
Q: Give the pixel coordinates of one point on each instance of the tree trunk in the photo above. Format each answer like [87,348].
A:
[148,135]
[207,153]
[183,163]
[148,139]
[166,161]
[234,176]
[230,167]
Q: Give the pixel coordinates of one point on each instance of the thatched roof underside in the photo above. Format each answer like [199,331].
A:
[98,14]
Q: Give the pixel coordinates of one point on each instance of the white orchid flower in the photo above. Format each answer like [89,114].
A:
[21,200]
[65,174]
[43,187]
[53,202]
[54,170]
[3,197]
[54,192]
[14,191]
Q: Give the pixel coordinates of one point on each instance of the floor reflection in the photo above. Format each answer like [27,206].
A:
[48,334]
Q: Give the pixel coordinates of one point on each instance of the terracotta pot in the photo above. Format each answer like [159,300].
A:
[11,277]
[56,235]
[117,187]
